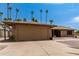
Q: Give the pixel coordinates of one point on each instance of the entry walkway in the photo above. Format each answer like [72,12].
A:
[57,47]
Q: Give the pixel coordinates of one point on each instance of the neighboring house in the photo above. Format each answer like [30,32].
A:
[61,31]
[35,31]
[2,30]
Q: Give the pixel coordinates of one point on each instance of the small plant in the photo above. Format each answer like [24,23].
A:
[12,38]
[50,38]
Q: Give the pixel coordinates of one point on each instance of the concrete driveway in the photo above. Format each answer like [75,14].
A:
[56,47]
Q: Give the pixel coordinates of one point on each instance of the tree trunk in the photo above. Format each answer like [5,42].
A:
[46,18]
[4,32]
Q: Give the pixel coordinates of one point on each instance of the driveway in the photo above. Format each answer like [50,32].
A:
[56,47]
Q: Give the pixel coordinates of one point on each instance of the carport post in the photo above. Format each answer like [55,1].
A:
[51,31]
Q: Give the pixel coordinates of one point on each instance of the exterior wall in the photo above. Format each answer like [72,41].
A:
[2,33]
[31,32]
[72,34]
[64,33]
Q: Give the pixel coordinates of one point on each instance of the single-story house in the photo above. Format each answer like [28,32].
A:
[35,31]
[61,31]
[2,30]
[29,31]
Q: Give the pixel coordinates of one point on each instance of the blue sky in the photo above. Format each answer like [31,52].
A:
[62,14]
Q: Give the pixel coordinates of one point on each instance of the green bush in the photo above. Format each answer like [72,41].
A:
[77,31]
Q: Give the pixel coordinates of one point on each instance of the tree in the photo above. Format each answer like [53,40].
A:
[1,13]
[36,20]
[18,20]
[9,8]
[41,15]
[24,19]
[46,15]
[32,13]
[51,21]
[17,11]
[5,19]
[77,31]
[33,19]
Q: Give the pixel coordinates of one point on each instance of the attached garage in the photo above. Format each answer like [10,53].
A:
[30,31]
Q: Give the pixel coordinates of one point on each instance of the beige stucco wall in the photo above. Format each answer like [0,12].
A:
[72,34]
[31,32]
[64,33]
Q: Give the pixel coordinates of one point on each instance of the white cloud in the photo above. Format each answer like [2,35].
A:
[73,23]
[75,19]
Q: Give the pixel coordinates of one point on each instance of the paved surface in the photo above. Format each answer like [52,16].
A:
[56,47]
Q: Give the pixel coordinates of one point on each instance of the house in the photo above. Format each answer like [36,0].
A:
[29,31]
[35,31]
[2,30]
[61,31]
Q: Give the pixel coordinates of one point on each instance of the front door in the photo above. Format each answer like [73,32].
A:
[57,33]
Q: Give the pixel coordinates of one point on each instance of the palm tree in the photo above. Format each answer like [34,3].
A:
[9,8]
[4,32]
[33,19]
[5,19]
[51,21]
[24,19]
[41,14]
[1,13]
[46,15]
[17,11]
[32,13]
[36,20]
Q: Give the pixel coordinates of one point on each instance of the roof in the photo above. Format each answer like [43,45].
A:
[62,28]
[35,23]
[24,23]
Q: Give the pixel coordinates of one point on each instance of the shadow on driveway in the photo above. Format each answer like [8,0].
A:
[7,41]
[71,43]
[73,53]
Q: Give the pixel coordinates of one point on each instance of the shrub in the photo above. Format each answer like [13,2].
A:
[12,38]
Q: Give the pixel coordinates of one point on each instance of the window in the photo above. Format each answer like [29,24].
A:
[69,32]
